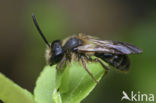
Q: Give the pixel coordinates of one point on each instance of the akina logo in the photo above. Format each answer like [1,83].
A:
[137,96]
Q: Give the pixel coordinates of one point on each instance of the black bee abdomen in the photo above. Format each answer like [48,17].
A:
[72,43]
[120,62]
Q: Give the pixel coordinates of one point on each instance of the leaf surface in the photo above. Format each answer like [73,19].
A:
[12,93]
[69,85]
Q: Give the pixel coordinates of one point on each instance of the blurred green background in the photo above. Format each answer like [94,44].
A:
[22,49]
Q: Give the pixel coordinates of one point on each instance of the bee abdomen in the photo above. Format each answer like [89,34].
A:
[120,62]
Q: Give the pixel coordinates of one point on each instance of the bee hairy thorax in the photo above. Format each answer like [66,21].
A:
[119,61]
[72,43]
[71,46]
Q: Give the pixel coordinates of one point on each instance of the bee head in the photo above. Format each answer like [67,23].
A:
[54,53]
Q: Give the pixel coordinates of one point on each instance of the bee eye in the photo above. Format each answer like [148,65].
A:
[57,52]
[56,48]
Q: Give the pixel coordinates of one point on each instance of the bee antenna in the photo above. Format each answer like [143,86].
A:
[39,30]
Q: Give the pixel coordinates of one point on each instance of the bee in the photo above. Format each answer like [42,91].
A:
[83,47]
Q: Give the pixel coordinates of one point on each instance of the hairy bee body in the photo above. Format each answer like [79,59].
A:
[113,52]
[119,61]
[83,47]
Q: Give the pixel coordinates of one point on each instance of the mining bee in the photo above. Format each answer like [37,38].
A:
[83,47]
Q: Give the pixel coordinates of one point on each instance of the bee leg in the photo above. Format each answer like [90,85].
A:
[101,62]
[104,66]
[86,68]
[61,64]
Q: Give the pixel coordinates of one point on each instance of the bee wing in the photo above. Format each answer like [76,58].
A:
[106,46]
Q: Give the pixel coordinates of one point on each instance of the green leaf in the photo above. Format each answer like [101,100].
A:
[79,83]
[45,85]
[69,85]
[56,97]
[12,93]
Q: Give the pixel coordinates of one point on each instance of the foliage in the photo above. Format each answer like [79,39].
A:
[68,85]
